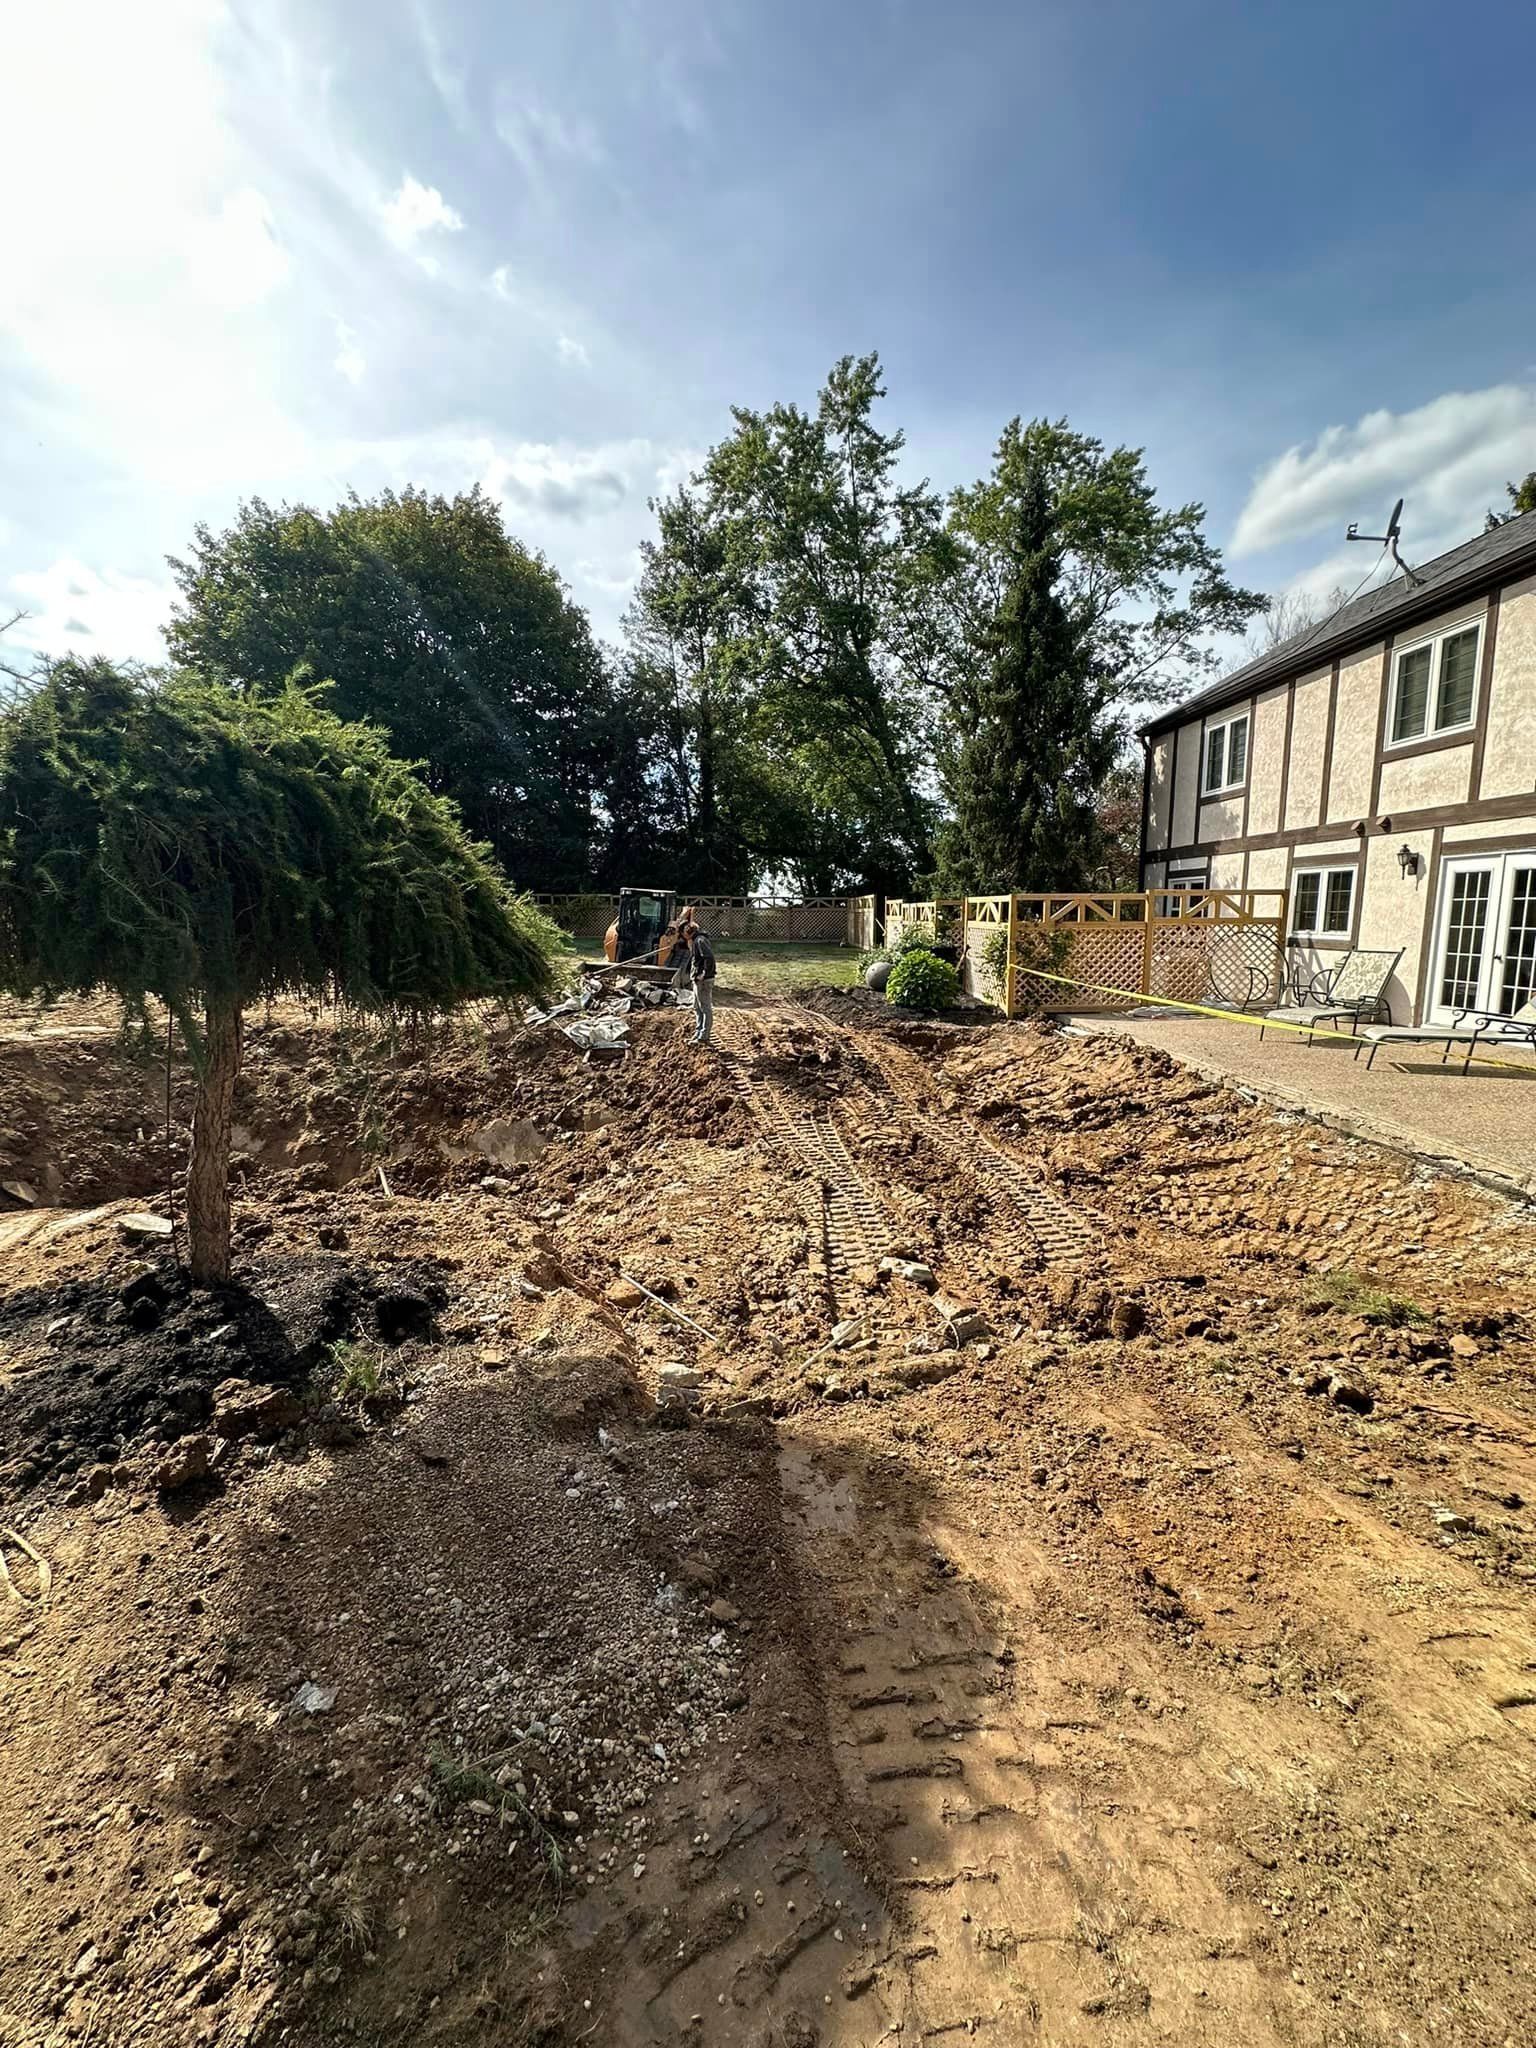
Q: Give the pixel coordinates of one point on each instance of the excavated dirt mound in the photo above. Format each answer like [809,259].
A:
[361,1721]
[1077,1584]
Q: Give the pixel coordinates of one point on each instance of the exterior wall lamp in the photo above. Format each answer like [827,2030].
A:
[1407,861]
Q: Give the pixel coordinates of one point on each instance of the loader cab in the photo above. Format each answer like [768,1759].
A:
[638,930]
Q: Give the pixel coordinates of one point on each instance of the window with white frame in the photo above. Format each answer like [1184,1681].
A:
[1434,685]
[1183,876]
[1322,902]
[1226,756]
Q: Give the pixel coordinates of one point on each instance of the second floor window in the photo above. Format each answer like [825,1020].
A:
[1226,756]
[1434,686]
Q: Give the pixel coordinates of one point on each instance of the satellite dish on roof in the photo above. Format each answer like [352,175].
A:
[1389,539]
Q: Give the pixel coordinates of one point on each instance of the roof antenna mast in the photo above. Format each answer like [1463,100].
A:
[1389,539]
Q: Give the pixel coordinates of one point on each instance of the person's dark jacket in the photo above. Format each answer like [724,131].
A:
[703,962]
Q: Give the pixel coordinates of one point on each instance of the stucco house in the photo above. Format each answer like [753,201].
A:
[1380,769]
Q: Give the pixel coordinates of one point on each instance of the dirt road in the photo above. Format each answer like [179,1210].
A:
[1093,1601]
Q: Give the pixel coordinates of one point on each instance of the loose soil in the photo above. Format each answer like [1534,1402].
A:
[880,1532]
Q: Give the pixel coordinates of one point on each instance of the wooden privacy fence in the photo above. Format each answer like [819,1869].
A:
[1219,946]
[823,920]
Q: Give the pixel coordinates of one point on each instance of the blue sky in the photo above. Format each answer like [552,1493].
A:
[288,249]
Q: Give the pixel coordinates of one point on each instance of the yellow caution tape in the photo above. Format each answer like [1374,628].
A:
[1143,1001]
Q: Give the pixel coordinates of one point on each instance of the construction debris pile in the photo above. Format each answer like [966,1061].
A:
[606,995]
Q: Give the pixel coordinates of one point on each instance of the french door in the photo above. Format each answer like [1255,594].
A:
[1485,937]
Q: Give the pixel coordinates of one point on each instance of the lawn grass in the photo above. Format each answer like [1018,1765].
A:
[773,970]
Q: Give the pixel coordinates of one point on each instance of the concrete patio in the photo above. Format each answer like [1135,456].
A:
[1483,1123]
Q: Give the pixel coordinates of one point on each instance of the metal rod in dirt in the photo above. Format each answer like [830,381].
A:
[670,1310]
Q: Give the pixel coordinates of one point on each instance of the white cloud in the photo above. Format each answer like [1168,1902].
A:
[349,362]
[1346,572]
[613,579]
[572,352]
[75,609]
[416,210]
[142,277]
[500,282]
[677,467]
[1449,459]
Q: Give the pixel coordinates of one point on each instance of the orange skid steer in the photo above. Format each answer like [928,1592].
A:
[645,937]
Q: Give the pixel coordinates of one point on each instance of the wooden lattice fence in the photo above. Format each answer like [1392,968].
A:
[1113,951]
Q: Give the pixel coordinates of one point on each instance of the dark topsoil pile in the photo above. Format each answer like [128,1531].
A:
[105,1365]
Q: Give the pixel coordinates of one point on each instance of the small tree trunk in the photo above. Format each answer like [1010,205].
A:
[208,1170]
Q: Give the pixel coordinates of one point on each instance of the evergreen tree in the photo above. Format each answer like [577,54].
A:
[1522,499]
[1029,741]
[169,838]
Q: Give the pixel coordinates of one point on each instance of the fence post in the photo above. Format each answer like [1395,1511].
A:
[1010,972]
[1149,942]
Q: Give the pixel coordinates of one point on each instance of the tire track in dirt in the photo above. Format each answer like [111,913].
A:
[1030,1217]
[1047,1880]
[765,1929]
[852,1223]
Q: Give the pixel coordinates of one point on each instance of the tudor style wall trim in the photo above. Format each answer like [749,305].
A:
[1522,804]
[1484,695]
[1381,722]
[1409,750]
[1427,930]
[1285,758]
[1324,807]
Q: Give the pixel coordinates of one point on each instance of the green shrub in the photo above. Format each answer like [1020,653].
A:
[1049,948]
[912,938]
[994,963]
[922,981]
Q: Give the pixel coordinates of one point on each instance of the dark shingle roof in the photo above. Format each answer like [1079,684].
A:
[1472,567]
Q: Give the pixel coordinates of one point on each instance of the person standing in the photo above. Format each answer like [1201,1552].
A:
[701,957]
[679,959]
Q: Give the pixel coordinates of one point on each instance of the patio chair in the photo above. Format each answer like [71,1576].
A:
[1470,1028]
[1355,991]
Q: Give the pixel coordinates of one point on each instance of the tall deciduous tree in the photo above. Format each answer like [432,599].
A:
[1030,740]
[434,623]
[685,664]
[836,563]
[172,839]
